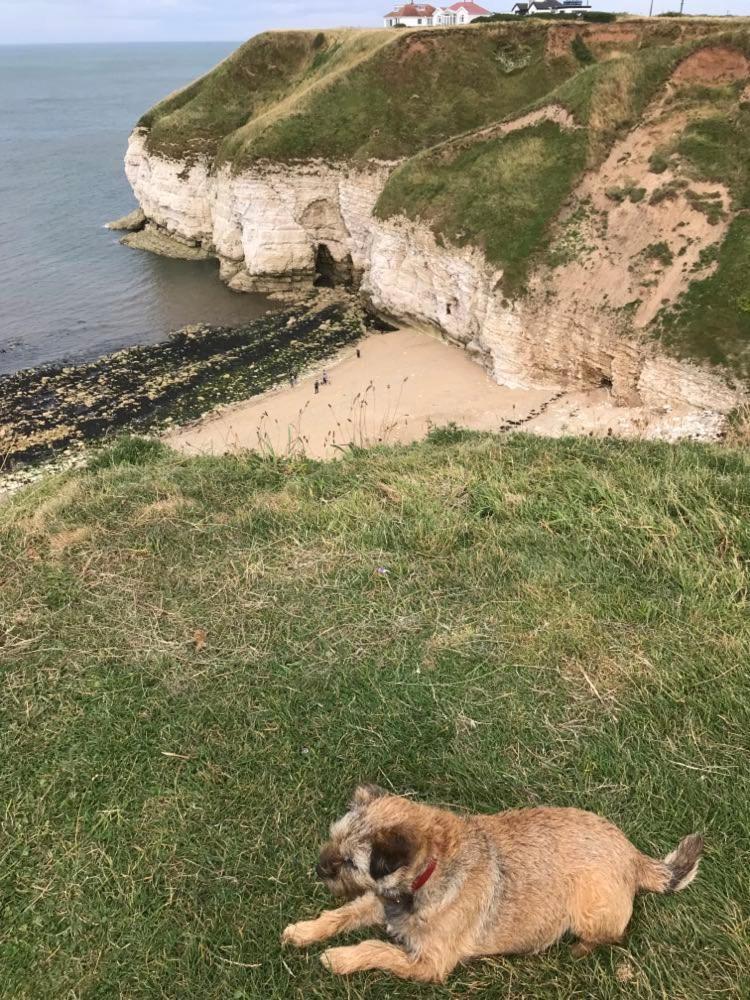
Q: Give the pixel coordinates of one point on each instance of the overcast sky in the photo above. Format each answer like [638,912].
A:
[204,20]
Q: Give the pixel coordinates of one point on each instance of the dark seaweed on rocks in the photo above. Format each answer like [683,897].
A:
[47,411]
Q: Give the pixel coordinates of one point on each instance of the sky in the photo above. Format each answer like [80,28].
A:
[27,21]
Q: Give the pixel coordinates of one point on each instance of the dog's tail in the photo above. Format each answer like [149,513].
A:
[676,871]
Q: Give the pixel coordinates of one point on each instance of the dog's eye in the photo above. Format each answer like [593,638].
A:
[348,863]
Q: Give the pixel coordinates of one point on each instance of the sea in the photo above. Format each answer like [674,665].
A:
[68,290]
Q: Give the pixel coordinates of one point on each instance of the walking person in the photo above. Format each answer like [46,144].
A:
[317,387]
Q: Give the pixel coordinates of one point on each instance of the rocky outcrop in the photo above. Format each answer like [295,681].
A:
[154,239]
[277,226]
[131,223]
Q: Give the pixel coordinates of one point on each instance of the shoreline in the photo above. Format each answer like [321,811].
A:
[218,390]
[392,387]
[52,412]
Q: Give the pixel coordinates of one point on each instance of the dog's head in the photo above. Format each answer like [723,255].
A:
[379,845]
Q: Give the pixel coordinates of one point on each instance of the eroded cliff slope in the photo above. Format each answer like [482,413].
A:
[568,201]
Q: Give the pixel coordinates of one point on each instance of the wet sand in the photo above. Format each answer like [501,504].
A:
[402,384]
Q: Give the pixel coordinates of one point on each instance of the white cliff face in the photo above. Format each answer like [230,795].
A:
[266,226]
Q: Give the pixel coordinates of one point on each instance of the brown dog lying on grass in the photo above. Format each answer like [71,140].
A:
[449,888]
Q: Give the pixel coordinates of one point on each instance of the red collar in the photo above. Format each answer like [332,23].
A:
[420,880]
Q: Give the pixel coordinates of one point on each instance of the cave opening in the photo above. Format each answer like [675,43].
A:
[325,267]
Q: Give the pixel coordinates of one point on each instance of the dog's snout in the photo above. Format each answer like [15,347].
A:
[327,866]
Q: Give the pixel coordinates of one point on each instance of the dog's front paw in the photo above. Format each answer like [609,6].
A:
[339,960]
[301,934]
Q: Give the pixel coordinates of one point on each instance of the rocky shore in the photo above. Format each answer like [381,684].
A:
[53,412]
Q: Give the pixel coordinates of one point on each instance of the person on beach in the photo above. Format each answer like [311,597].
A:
[359,353]
[317,387]
[325,378]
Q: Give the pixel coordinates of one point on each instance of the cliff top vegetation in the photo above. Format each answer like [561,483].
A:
[200,658]
[359,94]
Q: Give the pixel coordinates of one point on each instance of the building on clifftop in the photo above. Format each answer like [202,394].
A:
[413,15]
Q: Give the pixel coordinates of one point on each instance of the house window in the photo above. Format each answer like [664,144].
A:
[419,20]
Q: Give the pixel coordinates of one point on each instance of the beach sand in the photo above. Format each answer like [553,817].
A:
[403,383]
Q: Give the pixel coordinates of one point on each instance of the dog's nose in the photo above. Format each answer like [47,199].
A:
[325,869]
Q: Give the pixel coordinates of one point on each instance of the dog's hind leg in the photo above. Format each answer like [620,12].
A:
[601,914]
[365,911]
[387,958]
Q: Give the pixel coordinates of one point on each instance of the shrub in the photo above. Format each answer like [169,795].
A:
[490,18]
[581,51]
[619,194]
[659,252]
[598,16]
[128,450]
[657,163]
[709,204]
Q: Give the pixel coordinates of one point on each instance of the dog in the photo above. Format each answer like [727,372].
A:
[449,888]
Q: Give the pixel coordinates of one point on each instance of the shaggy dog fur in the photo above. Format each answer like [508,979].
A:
[449,888]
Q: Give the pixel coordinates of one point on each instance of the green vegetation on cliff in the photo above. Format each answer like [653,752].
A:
[488,622]
[711,319]
[499,194]
[384,94]
[409,96]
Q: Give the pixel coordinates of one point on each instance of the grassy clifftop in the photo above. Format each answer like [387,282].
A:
[488,622]
[387,94]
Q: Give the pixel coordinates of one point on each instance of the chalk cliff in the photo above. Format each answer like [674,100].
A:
[622,243]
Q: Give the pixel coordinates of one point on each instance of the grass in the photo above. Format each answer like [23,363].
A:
[558,621]
[710,321]
[357,95]
[500,194]
[194,121]
[412,93]
[609,97]
[718,149]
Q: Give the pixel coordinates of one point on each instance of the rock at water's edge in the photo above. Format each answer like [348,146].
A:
[155,240]
[132,222]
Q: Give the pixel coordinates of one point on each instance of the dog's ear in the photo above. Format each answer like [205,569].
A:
[391,849]
[364,794]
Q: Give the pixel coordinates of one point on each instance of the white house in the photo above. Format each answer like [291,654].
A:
[413,15]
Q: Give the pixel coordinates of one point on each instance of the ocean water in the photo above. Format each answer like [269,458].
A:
[68,290]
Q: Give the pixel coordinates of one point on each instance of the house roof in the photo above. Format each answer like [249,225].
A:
[546,4]
[470,7]
[412,10]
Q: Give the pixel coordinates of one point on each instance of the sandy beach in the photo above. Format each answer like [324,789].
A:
[401,384]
